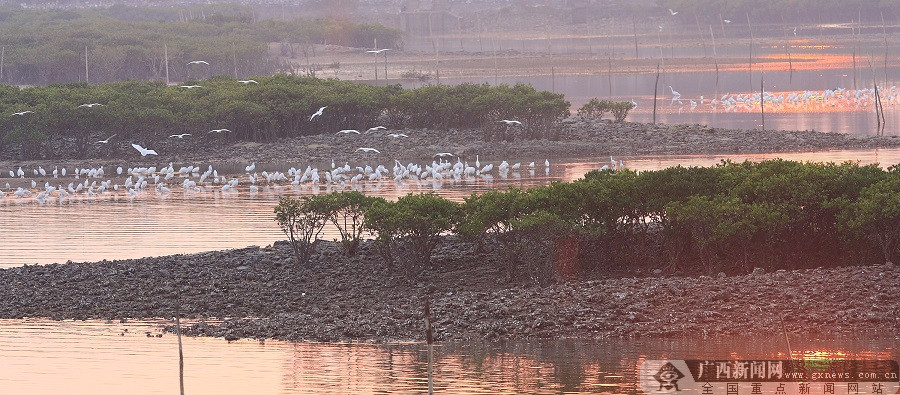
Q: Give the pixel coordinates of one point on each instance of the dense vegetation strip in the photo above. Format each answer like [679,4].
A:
[267,109]
[731,218]
[122,42]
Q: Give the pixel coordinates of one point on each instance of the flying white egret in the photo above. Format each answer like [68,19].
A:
[219,131]
[673,12]
[23,112]
[726,21]
[91,105]
[245,82]
[395,135]
[375,129]
[191,86]
[511,122]
[105,141]
[368,150]
[180,136]
[198,62]
[348,131]
[377,51]
[144,151]
[318,113]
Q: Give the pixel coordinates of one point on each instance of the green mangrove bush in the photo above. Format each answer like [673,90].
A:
[595,109]
[276,107]
[732,218]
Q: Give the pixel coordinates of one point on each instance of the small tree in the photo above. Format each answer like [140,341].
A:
[620,110]
[302,221]
[346,211]
[414,223]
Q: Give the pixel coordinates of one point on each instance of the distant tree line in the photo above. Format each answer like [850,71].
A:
[731,218]
[772,11]
[121,42]
[265,110]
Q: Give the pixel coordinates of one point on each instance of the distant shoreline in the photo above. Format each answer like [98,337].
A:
[575,139]
[262,293]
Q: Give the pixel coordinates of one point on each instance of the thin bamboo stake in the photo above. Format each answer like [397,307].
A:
[715,54]
[178,332]
[750,28]
[634,30]
[166,55]
[609,67]
[2,53]
[762,99]
[655,93]
[86,80]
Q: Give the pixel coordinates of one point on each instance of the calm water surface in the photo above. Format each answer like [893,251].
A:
[48,357]
[116,227]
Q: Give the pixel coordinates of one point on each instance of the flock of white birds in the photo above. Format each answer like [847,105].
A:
[133,181]
[808,100]
[164,179]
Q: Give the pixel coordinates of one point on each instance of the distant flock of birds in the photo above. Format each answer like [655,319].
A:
[839,97]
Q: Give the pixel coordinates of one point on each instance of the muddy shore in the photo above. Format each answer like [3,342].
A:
[261,293]
[573,138]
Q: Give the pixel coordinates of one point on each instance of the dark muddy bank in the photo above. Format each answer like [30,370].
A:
[261,293]
[571,139]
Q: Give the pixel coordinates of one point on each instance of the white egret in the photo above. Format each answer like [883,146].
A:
[142,150]
[105,141]
[23,112]
[91,105]
[318,113]
[368,150]
[673,12]
[245,82]
[348,131]
[395,135]
[219,131]
[191,86]
[180,136]
[198,62]
[511,122]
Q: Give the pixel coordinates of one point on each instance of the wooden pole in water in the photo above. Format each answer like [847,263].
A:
[750,28]
[700,34]
[787,48]
[234,59]
[715,54]
[762,99]
[166,55]
[655,92]
[376,48]
[178,332]
[2,53]
[86,80]
[609,67]
[883,32]
[429,340]
[634,30]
